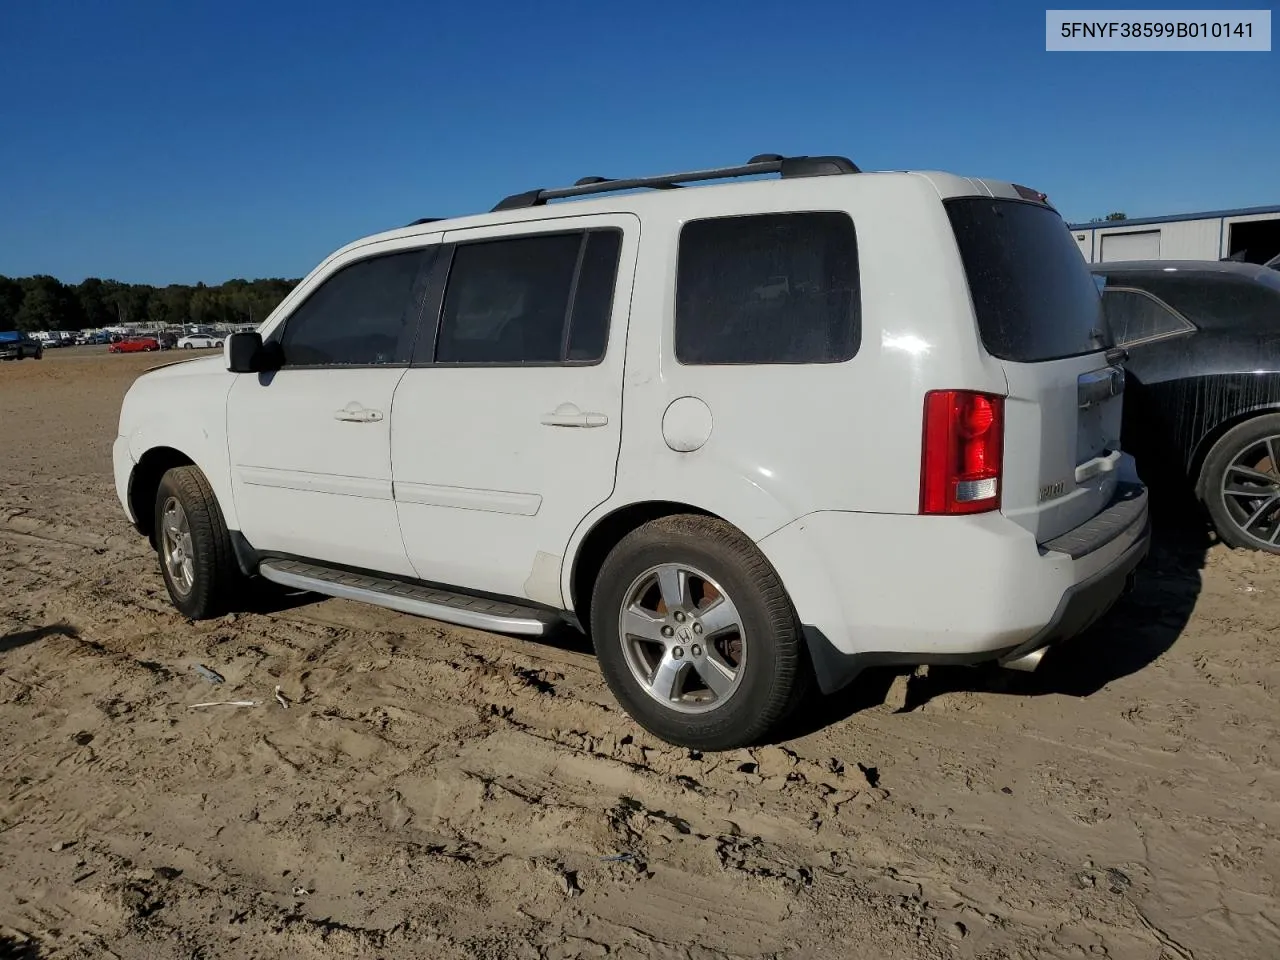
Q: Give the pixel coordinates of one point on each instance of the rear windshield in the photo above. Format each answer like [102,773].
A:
[1032,292]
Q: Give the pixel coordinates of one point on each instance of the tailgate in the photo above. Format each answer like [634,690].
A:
[1062,450]
[1039,312]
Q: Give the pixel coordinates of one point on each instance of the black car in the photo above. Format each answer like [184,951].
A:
[1202,386]
[15,346]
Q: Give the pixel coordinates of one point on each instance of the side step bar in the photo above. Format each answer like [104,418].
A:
[418,599]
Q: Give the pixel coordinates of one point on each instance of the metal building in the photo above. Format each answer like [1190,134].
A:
[1252,232]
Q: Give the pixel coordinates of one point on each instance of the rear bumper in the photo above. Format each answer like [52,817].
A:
[873,589]
[1085,602]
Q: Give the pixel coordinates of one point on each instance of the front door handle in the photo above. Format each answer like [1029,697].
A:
[568,415]
[353,412]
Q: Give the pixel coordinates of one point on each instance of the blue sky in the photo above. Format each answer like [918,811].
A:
[173,142]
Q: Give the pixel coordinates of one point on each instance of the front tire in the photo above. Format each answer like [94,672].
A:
[196,557]
[696,636]
[1240,484]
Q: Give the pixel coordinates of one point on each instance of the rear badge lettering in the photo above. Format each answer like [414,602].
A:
[1052,491]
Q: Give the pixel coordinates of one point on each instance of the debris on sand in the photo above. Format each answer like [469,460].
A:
[228,703]
[211,675]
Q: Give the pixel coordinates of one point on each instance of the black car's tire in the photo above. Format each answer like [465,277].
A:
[201,588]
[770,666]
[40,354]
[1249,519]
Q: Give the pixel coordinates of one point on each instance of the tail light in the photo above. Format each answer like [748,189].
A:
[962,452]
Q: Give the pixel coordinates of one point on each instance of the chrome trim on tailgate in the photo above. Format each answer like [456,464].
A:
[1099,385]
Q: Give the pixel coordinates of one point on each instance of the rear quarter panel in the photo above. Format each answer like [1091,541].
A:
[789,440]
[1185,390]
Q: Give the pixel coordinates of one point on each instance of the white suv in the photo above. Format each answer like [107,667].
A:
[744,434]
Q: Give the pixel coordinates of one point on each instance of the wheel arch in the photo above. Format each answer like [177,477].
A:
[1206,443]
[144,481]
[603,535]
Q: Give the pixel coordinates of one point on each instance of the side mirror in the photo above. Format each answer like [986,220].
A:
[244,350]
[246,353]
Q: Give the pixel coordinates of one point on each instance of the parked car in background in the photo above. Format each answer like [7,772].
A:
[15,345]
[199,341]
[440,431]
[134,345]
[1202,398]
[168,341]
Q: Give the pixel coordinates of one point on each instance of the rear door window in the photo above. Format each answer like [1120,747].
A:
[1032,292]
[538,299]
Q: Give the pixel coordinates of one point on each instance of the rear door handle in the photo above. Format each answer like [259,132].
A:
[568,415]
[353,412]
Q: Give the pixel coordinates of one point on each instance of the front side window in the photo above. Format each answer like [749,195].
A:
[1135,316]
[365,314]
[541,299]
[768,288]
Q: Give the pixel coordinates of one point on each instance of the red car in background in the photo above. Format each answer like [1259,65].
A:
[134,345]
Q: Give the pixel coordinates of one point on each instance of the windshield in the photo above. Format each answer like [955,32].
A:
[1032,292]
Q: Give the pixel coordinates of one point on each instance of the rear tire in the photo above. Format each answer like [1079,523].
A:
[756,670]
[1246,462]
[196,557]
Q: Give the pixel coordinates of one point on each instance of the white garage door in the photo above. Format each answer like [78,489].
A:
[1144,245]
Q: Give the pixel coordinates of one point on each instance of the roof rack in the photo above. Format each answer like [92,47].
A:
[424,220]
[787,167]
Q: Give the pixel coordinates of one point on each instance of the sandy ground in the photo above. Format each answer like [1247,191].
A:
[441,793]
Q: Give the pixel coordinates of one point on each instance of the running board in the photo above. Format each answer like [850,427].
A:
[418,599]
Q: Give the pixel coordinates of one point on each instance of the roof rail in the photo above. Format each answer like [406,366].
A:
[424,220]
[787,167]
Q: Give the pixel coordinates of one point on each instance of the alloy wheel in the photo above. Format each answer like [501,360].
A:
[175,546]
[1250,491]
[683,638]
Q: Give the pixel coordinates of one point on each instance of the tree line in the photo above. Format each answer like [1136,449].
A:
[45,303]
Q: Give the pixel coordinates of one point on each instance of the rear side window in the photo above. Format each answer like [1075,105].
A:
[365,314]
[543,299]
[1136,317]
[768,288]
[1214,299]
[1032,292]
